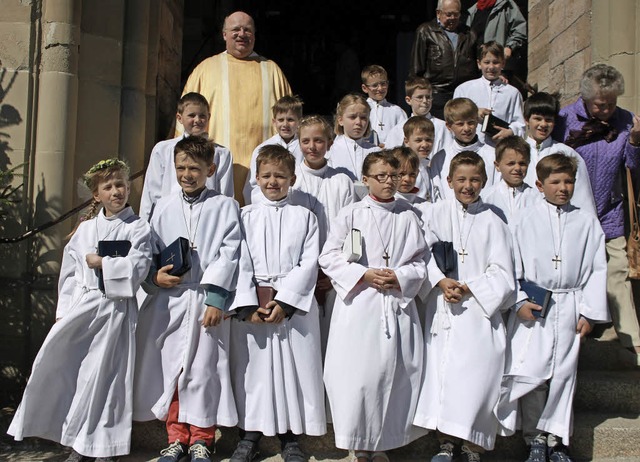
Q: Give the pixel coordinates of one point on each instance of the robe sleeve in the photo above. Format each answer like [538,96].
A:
[224,171]
[298,286]
[223,269]
[413,273]
[519,294]
[66,283]
[245,294]
[495,287]
[123,275]
[152,189]
[593,304]
[517,117]
[344,275]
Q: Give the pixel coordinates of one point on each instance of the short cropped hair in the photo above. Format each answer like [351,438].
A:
[416,83]
[460,109]
[418,124]
[311,120]
[542,103]
[370,71]
[406,156]
[192,98]
[346,101]
[601,79]
[468,158]
[196,147]
[386,157]
[556,163]
[276,154]
[491,47]
[515,143]
[288,103]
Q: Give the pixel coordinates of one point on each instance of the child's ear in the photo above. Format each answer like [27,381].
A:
[449,182]
[329,144]
[364,89]
[495,162]
[478,61]
[293,180]
[405,141]
[211,171]
[539,185]
[407,99]
[179,117]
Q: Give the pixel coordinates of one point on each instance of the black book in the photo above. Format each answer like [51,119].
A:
[178,254]
[538,295]
[111,249]
[445,256]
[489,124]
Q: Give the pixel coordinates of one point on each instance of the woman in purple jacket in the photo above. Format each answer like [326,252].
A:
[608,139]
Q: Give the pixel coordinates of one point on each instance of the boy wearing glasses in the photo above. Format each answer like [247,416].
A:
[384,115]
[373,363]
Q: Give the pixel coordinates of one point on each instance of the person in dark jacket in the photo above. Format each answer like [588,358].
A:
[444,52]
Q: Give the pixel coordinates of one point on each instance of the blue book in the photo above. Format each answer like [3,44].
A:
[178,254]
[111,249]
[538,295]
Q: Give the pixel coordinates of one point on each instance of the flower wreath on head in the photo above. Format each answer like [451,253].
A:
[106,163]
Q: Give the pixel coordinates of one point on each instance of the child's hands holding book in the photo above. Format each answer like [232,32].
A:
[526,311]
[164,279]
[94,261]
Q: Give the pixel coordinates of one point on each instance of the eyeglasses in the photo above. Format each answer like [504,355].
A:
[375,86]
[383,177]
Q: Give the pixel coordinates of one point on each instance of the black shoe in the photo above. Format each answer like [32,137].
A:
[246,451]
[174,452]
[293,453]
[537,451]
[559,453]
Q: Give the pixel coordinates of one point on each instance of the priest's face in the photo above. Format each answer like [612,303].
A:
[382,180]
[557,188]
[466,180]
[239,34]
[274,180]
[192,173]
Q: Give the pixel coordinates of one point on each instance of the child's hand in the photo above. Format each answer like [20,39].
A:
[259,315]
[584,327]
[451,289]
[212,317]
[323,284]
[277,313]
[165,280]
[502,133]
[525,311]
[94,261]
[634,133]
[381,279]
[482,112]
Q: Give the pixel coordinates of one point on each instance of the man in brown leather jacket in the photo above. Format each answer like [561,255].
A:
[444,51]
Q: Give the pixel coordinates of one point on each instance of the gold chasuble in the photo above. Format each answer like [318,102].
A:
[241,93]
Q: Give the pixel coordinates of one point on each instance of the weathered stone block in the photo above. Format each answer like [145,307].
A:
[15,43]
[557,23]
[573,9]
[539,50]
[104,18]
[14,11]
[538,20]
[562,47]
[101,59]
[14,109]
[582,32]
[574,67]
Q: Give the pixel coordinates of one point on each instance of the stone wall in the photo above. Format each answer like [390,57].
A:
[567,36]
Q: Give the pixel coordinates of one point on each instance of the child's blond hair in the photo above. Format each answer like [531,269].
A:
[460,109]
[350,100]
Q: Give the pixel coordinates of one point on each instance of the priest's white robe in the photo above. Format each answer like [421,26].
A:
[347,155]
[175,350]
[547,349]
[582,194]
[160,177]
[373,364]
[241,93]
[503,99]
[384,116]
[440,139]
[508,200]
[251,185]
[465,342]
[277,368]
[81,385]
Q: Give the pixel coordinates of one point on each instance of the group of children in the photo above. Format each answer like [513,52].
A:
[405,283]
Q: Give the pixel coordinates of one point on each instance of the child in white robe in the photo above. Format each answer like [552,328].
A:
[418,136]
[461,119]
[384,115]
[492,95]
[373,363]
[464,329]
[160,177]
[561,249]
[408,172]
[540,111]
[182,373]
[350,147]
[81,385]
[287,112]
[275,362]
[325,192]
[511,193]
[419,96]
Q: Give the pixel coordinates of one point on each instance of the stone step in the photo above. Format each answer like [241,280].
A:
[608,391]
[601,354]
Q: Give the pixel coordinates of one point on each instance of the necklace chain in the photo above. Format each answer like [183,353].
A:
[463,246]
[561,229]
[188,225]
[385,255]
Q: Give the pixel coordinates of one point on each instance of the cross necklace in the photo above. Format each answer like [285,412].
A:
[189,225]
[380,123]
[385,256]
[120,222]
[462,252]
[557,251]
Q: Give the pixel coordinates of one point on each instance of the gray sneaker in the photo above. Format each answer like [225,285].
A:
[199,452]
[445,454]
[467,455]
[537,451]
[174,452]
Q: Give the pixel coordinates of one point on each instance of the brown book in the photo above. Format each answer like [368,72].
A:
[265,295]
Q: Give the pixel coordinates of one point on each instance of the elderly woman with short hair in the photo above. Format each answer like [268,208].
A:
[608,139]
